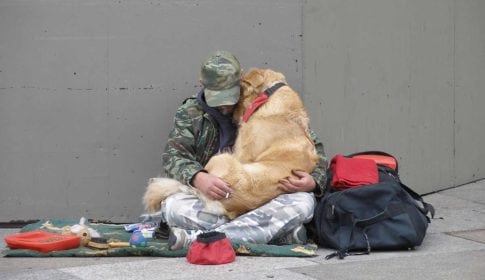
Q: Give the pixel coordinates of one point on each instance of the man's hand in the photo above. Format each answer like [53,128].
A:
[300,181]
[210,185]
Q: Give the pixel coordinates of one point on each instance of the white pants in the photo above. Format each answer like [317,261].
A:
[275,219]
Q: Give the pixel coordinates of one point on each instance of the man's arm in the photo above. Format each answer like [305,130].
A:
[320,171]
[179,157]
[180,160]
[304,182]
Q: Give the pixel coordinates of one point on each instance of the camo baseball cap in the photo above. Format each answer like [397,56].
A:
[220,76]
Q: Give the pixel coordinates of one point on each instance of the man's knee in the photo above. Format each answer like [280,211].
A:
[306,202]
[188,211]
[302,203]
[177,206]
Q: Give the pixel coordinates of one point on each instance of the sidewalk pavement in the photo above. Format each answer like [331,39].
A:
[454,248]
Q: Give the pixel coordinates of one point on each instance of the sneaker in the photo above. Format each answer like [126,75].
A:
[163,231]
[181,238]
[296,236]
[299,235]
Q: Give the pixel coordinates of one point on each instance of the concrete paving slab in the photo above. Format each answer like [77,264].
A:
[464,265]
[473,192]
[174,268]
[438,243]
[282,274]
[33,264]
[474,235]
[433,244]
[38,275]
[455,214]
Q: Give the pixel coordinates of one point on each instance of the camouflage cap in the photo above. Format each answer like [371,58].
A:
[220,76]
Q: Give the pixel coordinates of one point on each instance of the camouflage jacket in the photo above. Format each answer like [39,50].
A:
[194,140]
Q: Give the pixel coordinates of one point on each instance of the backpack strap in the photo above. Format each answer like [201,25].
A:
[346,234]
[392,210]
[427,207]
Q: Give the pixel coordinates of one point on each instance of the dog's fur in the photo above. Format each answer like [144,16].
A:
[273,142]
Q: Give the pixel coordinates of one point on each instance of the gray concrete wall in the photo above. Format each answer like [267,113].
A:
[88,88]
[405,77]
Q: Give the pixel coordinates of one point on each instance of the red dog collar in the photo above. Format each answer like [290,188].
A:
[260,100]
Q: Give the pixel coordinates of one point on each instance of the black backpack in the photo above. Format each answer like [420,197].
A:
[383,216]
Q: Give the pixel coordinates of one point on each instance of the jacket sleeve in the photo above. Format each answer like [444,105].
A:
[320,172]
[179,157]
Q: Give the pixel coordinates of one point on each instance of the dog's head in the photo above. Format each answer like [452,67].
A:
[253,83]
[258,80]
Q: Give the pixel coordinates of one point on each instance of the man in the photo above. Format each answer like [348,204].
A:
[203,127]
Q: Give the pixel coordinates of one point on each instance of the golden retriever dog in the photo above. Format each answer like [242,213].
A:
[271,143]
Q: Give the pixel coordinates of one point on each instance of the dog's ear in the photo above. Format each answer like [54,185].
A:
[254,77]
[273,76]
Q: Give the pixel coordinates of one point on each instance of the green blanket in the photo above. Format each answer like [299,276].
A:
[157,248]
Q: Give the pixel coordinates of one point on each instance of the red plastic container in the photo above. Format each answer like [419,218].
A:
[42,241]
